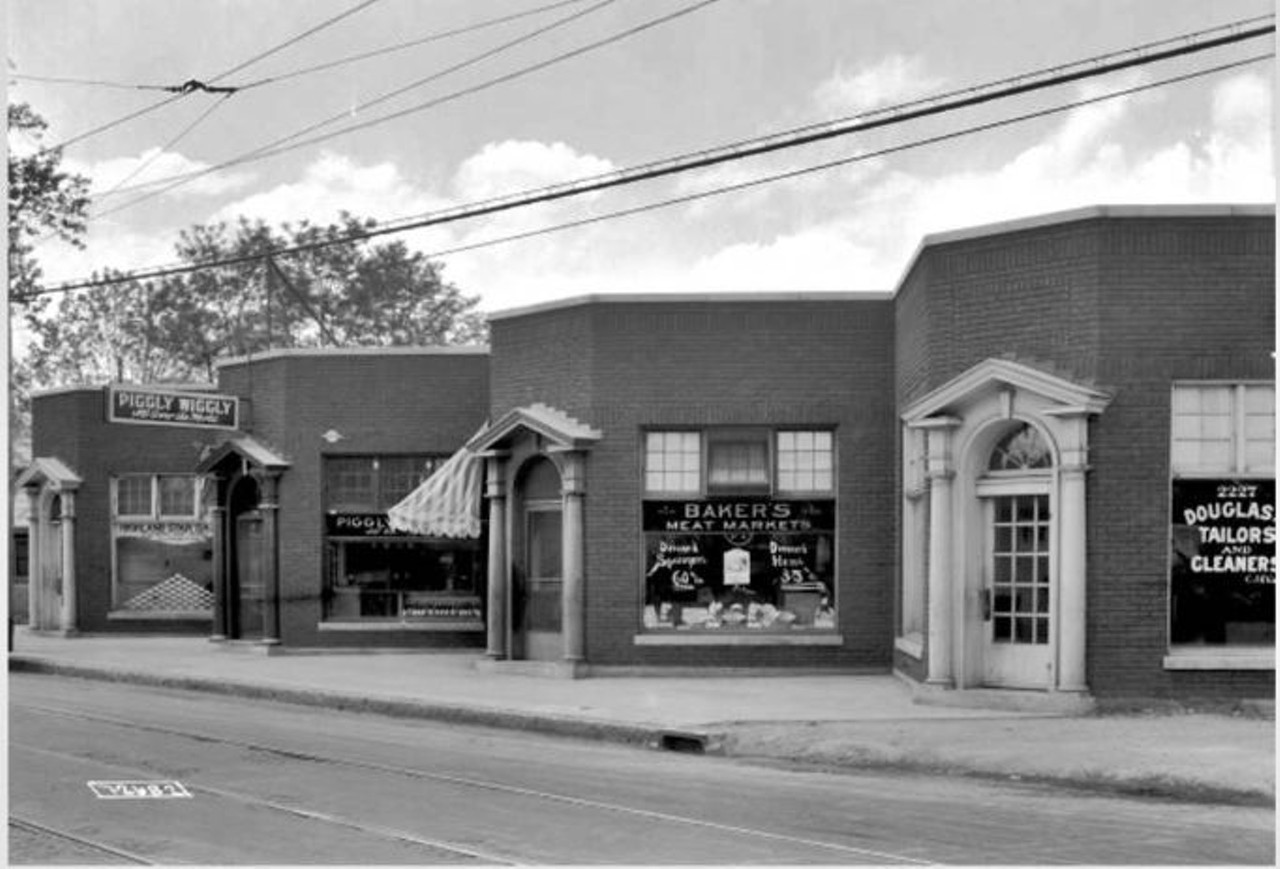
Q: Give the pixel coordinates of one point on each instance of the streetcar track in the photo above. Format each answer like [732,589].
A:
[581,802]
[35,827]
[297,811]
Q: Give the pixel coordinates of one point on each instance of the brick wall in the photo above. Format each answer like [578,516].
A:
[1128,305]
[391,403]
[71,425]
[692,363]
[1179,299]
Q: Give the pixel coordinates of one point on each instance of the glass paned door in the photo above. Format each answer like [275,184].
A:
[1018,596]
[540,622]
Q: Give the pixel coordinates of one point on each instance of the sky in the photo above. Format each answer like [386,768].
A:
[726,71]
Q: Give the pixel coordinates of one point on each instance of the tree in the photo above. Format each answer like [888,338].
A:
[43,200]
[334,291]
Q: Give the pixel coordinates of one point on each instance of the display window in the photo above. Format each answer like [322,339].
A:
[1223,519]
[753,547]
[374,572]
[162,546]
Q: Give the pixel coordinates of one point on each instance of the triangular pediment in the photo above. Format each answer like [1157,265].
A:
[240,450]
[49,471]
[993,375]
[555,426]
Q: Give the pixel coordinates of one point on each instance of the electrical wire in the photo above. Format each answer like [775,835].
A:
[85,81]
[1183,44]
[448,218]
[844,161]
[402,46]
[142,165]
[1004,88]
[280,146]
[260,56]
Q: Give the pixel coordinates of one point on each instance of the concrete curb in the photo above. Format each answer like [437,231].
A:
[652,736]
[721,741]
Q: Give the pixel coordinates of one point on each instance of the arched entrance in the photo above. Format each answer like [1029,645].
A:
[1005,449]
[246,580]
[244,485]
[52,592]
[1017,572]
[49,586]
[537,569]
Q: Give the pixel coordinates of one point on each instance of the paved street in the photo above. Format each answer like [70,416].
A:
[272,783]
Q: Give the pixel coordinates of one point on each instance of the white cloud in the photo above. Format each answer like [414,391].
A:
[894,79]
[156,165]
[331,184]
[506,167]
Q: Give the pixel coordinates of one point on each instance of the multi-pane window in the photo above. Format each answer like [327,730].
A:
[1222,498]
[1223,428]
[373,484]
[739,461]
[806,461]
[177,495]
[1020,569]
[739,529]
[133,495]
[672,461]
[161,547]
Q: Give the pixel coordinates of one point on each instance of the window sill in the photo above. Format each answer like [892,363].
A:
[1202,658]
[911,645]
[159,616]
[681,638]
[384,626]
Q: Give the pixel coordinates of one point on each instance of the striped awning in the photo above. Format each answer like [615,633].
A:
[447,504]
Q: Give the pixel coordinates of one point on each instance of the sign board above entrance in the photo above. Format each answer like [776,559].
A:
[172,407]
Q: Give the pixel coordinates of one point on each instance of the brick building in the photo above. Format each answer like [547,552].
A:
[1045,461]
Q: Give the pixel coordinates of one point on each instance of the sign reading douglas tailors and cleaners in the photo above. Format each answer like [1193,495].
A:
[172,407]
[1223,561]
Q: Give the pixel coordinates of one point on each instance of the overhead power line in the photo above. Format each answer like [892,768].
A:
[844,161]
[217,78]
[464,212]
[283,145]
[1189,43]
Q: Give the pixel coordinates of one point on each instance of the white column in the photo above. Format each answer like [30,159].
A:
[495,491]
[572,591]
[940,471]
[1073,610]
[35,563]
[1072,603]
[68,619]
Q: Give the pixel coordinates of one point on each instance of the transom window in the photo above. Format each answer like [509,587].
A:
[1022,449]
[672,461]
[374,484]
[739,461]
[1224,428]
[157,496]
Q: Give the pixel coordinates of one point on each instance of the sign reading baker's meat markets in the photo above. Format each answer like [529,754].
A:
[172,407]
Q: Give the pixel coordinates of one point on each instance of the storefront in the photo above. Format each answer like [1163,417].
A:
[1044,462]
[120,536]
[306,553]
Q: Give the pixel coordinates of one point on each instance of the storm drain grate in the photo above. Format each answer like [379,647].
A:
[687,743]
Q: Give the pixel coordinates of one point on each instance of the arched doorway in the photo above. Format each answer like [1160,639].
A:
[247,580]
[537,574]
[48,588]
[1018,571]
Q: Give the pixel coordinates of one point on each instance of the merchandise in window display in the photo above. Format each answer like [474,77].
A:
[739,565]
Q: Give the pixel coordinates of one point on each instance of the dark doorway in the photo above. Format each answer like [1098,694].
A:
[247,584]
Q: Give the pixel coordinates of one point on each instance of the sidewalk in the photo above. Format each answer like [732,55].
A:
[836,721]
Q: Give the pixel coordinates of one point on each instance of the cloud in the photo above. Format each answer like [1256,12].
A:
[894,79]
[156,165]
[506,167]
[331,184]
